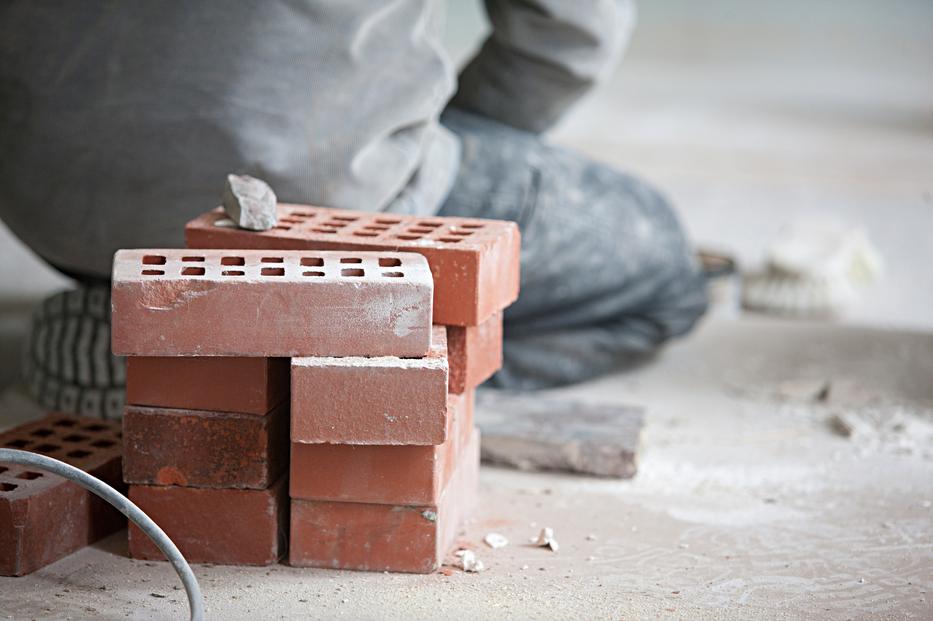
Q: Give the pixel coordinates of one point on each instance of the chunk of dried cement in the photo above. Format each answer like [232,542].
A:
[530,433]
[545,539]
[495,540]
[249,202]
[468,561]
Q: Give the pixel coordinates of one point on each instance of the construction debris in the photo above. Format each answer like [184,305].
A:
[468,561]
[495,540]
[530,433]
[250,202]
[546,539]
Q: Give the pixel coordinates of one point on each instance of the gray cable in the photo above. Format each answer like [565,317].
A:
[124,506]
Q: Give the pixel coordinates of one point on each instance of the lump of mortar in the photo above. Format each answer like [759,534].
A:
[468,561]
[249,202]
[495,540]
[545,539]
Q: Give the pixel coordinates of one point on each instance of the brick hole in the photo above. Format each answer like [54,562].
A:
[65,423]
[312,261]
[272,260]
[29,475]
[365,234]
[389,262]
[351,260]
[192,271]
[472,226]
[377,227]
[46,448]
[345,218]
[232,261]
[351,272]
[312,273]
[430,224]
[153,273]
[282,227]
[94,427]
[42,433]
[291,220]
[319,230]
[388,220]
[75,437]
[273,271]
[233,273]
[102,443]
[153,259]
[408,237]
[420,231]
[393,274]
[451,240]
[18,443]
[193,259]
[78,454]
[301,214]
[462,233]
[3,469]
[7,487]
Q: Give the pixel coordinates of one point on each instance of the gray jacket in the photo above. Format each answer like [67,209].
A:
[119,120]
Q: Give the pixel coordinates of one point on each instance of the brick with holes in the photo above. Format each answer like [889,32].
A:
[44,517]
[198,448]
[270,304]
[383,400]
[220,384]
[475,262]
[381,537]
[474,353]
[398,475]
[221,526]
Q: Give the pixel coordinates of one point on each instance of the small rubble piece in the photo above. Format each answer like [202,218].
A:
[885,429]
[250,202]
[468,561]
[495,540]
[545,539]
[530,433]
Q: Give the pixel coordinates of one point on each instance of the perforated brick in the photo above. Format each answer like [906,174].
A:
[395,475]
[379,537]
[270,304]
[44,517]
[474,353]
[385,400]
[197,448]
[246,385]
[475,262]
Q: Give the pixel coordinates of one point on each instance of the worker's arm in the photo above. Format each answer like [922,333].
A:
[542,56]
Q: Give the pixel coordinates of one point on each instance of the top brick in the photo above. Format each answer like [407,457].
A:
[271,304]
[475,262]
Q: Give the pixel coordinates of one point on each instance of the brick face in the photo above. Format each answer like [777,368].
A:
[44,517]
[475,262]
[380,401]
[474,353]
[204,449]
[220,526]
[224,384]
[399,475]
[270,304]
[380,537]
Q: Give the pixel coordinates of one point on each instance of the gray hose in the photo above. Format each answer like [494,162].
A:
[124,506]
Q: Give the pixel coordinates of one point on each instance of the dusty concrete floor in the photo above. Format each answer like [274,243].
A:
[746,506]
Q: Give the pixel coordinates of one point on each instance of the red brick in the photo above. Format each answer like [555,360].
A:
[221,526]
[246,385]
[474,353]
[475,262]
[379,537]
[197,448]
[384,400]
[276,304]
[44,517]
[397,475]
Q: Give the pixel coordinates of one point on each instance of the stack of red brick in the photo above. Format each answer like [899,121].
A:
[382,449]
